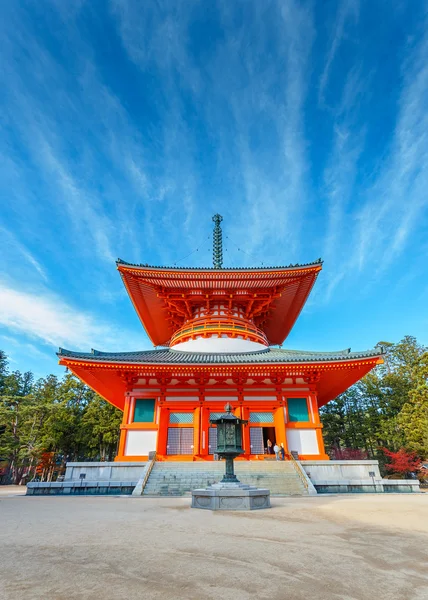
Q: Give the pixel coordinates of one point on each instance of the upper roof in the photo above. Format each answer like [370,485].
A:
[171,356]
[273,297]
[174,268]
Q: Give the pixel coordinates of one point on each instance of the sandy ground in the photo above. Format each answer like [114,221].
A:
[335,547]
[12,490]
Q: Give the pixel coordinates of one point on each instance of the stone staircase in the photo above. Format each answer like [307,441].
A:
[180,478]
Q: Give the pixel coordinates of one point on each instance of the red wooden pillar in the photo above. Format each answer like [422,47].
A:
[123,428]
[196,431]
[313,399]
[279,420]
[163,422]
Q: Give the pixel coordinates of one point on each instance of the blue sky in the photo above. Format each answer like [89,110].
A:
[126,125]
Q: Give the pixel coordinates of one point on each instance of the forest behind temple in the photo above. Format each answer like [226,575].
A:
[47,422]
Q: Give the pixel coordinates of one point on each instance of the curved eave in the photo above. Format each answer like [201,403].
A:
[146,267]
[295,282]
[336,374]
[196,366]
[169,357]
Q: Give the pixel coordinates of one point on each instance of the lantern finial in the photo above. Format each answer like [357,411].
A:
[228,408]
[217,242]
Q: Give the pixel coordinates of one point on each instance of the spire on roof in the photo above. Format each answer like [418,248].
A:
[217,242]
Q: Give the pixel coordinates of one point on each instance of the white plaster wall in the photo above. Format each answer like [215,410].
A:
[335,470]
[303,441]
[104,471]
[215,344]
[140,443]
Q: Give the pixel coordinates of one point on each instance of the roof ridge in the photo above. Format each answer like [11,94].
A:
[344,351]
[119,261]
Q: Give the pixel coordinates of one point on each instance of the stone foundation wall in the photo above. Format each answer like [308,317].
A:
[353,476]
[104,471]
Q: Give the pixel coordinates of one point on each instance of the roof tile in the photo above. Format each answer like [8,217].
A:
[168,355]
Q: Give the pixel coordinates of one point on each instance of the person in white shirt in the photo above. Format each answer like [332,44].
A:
[276,449]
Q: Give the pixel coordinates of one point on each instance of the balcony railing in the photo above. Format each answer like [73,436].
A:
[228,326]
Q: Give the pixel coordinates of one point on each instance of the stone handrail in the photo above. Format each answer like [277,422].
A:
[298,470]
[139,488]
[147,475]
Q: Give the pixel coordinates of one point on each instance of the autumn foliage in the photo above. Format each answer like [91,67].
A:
[402,461]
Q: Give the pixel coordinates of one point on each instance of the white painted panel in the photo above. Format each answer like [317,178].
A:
[215,344]
[182,398]
[140,443]
[303,441]
[222,398]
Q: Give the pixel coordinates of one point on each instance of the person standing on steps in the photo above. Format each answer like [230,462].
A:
[282,451]
[269,447]
[276,449]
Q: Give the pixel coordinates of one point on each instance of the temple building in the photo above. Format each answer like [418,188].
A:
[217,333]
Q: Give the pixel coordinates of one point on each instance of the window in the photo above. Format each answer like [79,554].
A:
[297,410]
[180,440]
[261,417]
[181,418]
[144,411]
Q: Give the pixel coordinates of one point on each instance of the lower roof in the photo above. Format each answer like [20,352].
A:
[106,372]
[178,357]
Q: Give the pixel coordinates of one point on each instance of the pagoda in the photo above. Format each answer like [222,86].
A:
[216,333]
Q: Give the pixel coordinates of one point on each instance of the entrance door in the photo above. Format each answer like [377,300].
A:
[259,437]
[269,434]
[180,440]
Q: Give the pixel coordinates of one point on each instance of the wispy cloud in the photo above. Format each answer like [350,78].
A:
[53,121]
[11,245]
[348,11]
[398,197]
[46,318]
[234,93]
[125,128]
[340,181]
[374,205]
[268,166]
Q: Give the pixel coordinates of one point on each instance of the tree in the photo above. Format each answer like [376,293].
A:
[100,428]
[60,419]
[413,418]
[387,408]
[3,369]
[402,462]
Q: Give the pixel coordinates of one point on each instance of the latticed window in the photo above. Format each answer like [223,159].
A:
[261,417]
[181,418]
[180,440]
[216,415]
[256,440]
[212,440]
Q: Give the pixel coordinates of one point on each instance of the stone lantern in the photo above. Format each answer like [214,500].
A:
[229,440]
[229,493]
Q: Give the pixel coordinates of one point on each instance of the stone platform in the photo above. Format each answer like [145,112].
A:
[231,496]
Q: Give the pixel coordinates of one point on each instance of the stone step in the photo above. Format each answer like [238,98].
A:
[220,465]
[179,478]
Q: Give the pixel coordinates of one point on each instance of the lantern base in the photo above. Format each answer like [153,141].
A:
[231,496]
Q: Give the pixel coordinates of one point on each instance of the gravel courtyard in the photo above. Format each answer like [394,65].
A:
[335,547]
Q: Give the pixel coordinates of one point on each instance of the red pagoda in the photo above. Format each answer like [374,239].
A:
[217,329]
